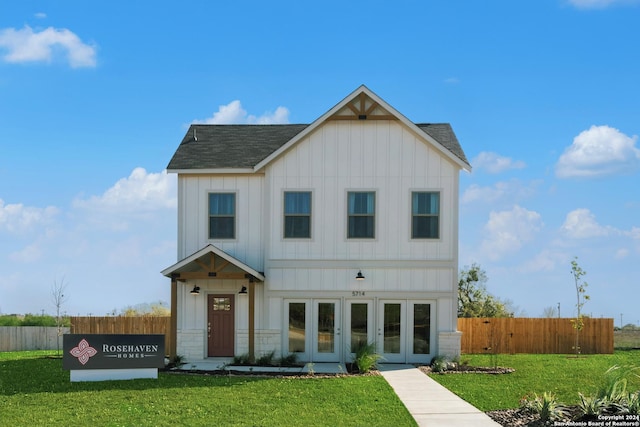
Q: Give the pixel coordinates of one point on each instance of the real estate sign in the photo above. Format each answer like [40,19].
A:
[112,356]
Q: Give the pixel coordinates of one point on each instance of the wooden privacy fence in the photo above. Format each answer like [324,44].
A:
[124,325]
[21,338]
[533,335]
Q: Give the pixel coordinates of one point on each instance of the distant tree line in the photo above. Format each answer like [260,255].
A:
[33,320]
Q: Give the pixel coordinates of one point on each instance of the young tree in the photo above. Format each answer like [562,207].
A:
[581,298]
[473,298]
[59,298]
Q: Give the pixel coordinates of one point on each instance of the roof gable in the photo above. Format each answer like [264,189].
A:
[196,263]
[249,148]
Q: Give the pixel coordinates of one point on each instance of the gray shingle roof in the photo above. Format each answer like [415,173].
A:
[443,133]
[230,146]
[244,146]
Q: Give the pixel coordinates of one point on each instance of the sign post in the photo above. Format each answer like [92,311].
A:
[100,357]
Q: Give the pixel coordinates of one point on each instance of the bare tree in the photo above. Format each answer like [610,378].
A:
[59,298]
[549,312]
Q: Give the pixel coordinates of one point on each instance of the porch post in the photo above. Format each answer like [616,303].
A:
[173,328]
[252,315]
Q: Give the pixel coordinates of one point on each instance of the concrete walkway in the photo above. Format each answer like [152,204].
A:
[429,403]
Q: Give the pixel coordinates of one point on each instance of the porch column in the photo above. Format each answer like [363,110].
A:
[252,316]
[173,327]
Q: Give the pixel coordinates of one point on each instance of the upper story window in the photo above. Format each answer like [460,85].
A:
[297,214]
[425,215]
[222,215]
[361,214]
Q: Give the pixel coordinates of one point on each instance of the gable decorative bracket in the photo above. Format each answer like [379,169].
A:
[362,107]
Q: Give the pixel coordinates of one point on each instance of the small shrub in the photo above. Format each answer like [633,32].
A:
[365,357]
[176,362]
[590,406]
[442,364]
[242,359]
[546,406]
[289,360]
[266,359]
[633,403]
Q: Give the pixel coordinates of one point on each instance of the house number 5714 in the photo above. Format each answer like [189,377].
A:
[357,293]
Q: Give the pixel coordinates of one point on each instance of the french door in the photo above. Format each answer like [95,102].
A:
[313,329]
[326,331]
[405,330]
[392,330]
[358,325]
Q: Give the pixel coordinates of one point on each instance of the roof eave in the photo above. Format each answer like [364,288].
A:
[216,171]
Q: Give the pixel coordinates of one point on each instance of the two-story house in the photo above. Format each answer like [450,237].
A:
[312,238]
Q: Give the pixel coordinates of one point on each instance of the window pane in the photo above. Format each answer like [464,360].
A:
[361,203]
[358,325]
[392,328]
[425,227]
[222,204]
[361,227]
[222,208]
[425,220]
[297,227]
[361,215]
[296,327]
[297,214]
[426,203]
[326,320]
[222,227]
[297,202]
[421,328]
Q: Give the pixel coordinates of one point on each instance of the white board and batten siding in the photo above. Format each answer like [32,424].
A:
[193,215]
[380,156]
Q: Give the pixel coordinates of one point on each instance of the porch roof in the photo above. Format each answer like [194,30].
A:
[211,262]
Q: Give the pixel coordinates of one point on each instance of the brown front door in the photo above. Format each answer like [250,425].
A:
[220,325]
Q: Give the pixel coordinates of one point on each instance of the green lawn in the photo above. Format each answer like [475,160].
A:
[535,373]
[35,391]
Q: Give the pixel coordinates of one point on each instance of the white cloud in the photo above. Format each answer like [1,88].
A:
[582,224]
[543,261]
[452,80]
[634,233]
[622,253]
[503,190]
[16,218]
[40,15]
[599,4]
[599,151]
[28,254]
[507,231]
[233,113]
[495,163]
[140,192]
[25,45]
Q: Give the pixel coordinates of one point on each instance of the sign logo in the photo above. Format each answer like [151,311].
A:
[83,351]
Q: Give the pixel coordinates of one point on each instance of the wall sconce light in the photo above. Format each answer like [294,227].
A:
[243,291]
[195,290]
[359,276]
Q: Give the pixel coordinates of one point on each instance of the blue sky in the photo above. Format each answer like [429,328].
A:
[95,98]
